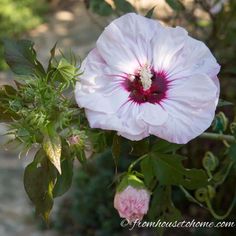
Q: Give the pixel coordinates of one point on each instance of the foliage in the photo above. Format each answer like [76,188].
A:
[90,208]
[17,16]
[103,8]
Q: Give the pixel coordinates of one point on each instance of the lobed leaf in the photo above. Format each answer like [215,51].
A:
[170,171]
[162,207]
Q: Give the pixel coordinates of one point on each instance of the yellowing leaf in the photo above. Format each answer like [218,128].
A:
[52,147]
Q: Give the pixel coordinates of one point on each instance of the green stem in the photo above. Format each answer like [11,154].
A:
[220,217]
[225,175]
[190,197]
[136,162]
[220,137]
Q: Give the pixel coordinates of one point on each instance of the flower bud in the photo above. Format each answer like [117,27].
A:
[74,139]
[132,201]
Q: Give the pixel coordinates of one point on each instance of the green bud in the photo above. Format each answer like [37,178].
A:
[220,123]
[210,161]
[130,180]
[201,194]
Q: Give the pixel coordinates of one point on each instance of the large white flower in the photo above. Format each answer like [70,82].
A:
[143,78]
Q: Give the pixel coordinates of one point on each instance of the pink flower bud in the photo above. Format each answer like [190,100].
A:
[132,203]
[74,139]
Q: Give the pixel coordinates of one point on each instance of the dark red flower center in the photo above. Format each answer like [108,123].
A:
[155,93]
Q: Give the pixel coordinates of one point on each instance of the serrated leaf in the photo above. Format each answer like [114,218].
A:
[147,170]
[21,57]
[64,180]
[52,147]
[175,5]
[139,148]
[162,207]
[124,6]
[39,180]
[170,171]
[162,146]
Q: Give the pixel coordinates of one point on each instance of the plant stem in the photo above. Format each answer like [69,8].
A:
[219,137]
[136,161]
[190,197]
[220,217]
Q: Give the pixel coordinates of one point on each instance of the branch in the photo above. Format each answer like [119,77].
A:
[219,137]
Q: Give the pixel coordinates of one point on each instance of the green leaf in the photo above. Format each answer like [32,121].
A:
[139,148]
[64,180]
[147,169]
[52,147]
[116,148]
[223,102]
[170,171]
[162,208]
[52,52]
[80,155]
[162,146]
[124,6]
[101,8]
[21,57]
[150,13]
[175,5]
[39,180]
[65,70]
[6,92]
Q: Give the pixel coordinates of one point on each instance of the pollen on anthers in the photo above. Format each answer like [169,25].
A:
[146,77]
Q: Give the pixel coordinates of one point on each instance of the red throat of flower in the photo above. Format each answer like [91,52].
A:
[147,85]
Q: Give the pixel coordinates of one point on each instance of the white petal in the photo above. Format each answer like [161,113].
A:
[126,121]
[125,43]
[111,45]
[153,114]
[185,123]
[194,90]
[99,100]
[191,107]
[195,57]
[167,43]
[103,121]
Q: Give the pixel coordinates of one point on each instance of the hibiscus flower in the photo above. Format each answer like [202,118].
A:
[143,78]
